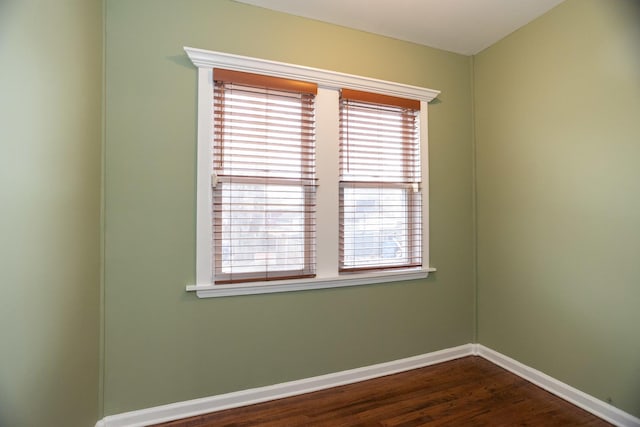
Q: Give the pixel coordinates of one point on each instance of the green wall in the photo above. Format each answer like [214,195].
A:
[554,109]
[50,143]
[164,345]
[557,118]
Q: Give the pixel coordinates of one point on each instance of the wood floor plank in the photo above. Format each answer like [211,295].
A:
[470,391]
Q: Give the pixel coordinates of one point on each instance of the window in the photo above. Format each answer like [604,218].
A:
[306,178]
[380,200]
[264,178]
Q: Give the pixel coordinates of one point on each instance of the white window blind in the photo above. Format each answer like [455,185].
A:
[264,180]
[380,195]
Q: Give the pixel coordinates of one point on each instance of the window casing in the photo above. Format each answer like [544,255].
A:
[327,103]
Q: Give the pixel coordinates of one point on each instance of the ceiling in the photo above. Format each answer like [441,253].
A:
[461,26]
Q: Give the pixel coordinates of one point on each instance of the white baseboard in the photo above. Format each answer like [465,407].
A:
[589,403]
[190,408]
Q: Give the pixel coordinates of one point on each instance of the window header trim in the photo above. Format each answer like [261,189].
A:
[324,78]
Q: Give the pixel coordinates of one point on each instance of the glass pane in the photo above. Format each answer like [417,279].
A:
[262,228]
[375,227]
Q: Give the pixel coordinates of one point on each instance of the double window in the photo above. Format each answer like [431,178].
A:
[270,146]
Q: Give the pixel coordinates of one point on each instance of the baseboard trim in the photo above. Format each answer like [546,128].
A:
[190,408]
[205,405]
[587,402]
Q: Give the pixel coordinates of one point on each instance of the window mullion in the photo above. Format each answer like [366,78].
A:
[327,170]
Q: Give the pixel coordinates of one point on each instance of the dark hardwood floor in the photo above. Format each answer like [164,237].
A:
[464,392]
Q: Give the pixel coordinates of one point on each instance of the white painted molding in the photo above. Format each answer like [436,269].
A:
[587,402]
[211,291]
[324,78]
[206,405]
[204,227]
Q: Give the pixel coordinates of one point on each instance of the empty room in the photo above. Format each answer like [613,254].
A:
[167,254]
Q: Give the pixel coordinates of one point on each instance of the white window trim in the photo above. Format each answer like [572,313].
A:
[329,83]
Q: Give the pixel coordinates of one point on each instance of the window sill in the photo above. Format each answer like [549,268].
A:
[213,291]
